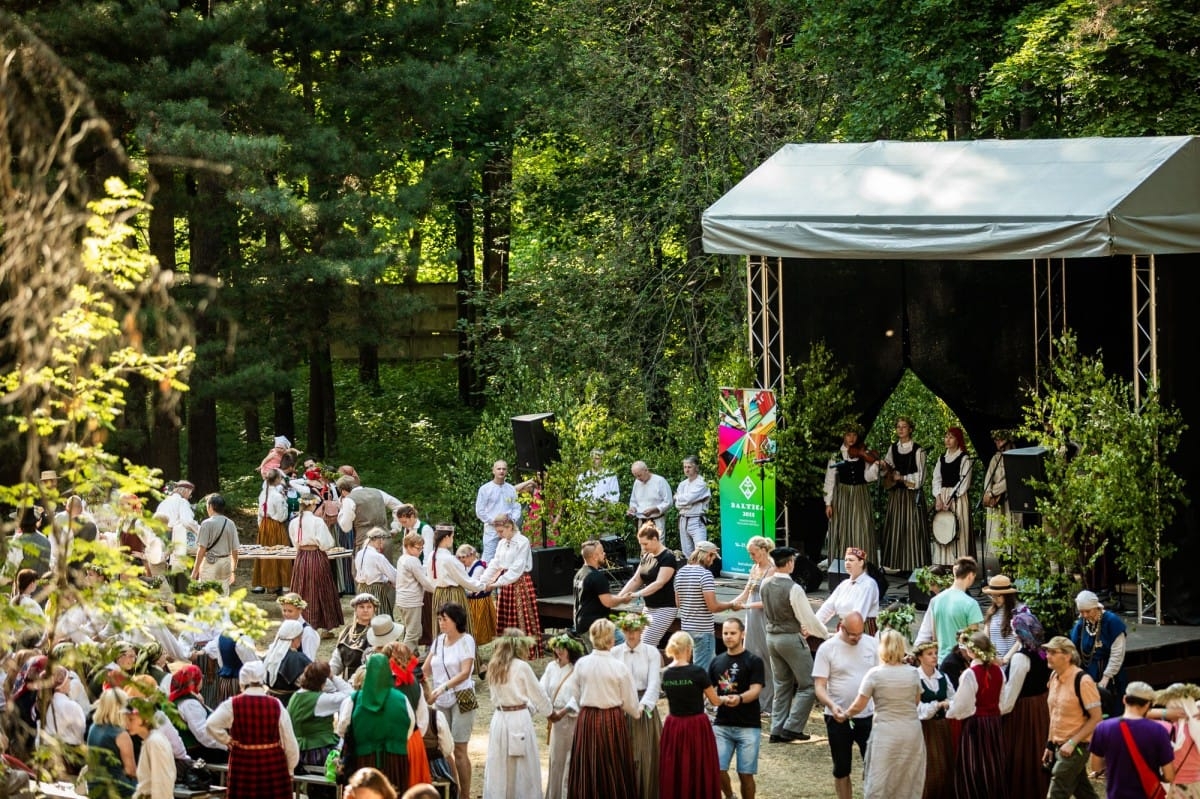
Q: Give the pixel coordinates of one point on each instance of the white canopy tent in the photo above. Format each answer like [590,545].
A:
[974,200]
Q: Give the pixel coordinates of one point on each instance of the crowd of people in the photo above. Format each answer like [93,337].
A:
[1000,711]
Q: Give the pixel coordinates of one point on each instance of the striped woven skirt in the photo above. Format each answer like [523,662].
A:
[208,667]
[645,733]
[601,759]
[384,593]
[517,607]
[980,772]
[482,611]
[313,580]
[272,572]
[905,530]
[227,688]
[451,593]
[939,759]
[688,767]
[853,523]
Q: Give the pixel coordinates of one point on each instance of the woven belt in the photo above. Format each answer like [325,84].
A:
[308,548]
[255,747]
[513,708]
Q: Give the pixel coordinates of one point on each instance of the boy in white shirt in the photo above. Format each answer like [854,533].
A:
[411,584]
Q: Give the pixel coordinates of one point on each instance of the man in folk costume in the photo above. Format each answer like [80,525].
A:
[263,750]
[364,509]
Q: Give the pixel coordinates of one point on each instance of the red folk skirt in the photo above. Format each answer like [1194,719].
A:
[518,608]
[687,763]
[313,580]
[601,760]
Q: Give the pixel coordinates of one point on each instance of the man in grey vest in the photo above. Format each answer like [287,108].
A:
[789,621]
[364,509]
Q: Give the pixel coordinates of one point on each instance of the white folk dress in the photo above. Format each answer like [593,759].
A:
[513,767]
[560,685]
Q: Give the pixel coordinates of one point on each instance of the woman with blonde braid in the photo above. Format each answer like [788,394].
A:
[645,729]
[513,767]
[558,681]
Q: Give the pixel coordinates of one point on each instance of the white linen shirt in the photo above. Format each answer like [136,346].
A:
[651,498]
[692,497]
[605,682]
[494,499]
[372,566]
[411,582]
[645,666]
[306,529]
[861,594]
[450,571]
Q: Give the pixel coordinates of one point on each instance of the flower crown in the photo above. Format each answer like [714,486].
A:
[566,642]
[630,620]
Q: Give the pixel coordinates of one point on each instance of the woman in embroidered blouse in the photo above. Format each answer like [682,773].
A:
[759,549]
[450,581]
[601,759]
[313,709]
[449,666]
[311,576]
[558,681]
[688,767]
[906,524]
[516,607]
[513,767]
[272,573]
[645,729]
[857,593]
[980,772]
[951,484]
[936,694]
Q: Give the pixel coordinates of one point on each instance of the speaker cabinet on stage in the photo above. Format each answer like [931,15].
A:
[553,570]
[536,445]
[1021,466]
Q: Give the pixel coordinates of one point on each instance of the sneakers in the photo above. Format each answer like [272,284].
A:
[258,589]
[786,737]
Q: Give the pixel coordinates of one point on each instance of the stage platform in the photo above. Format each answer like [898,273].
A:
[1159,655]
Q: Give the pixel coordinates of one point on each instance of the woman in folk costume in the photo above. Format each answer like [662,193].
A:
[480,606]
[645,728]
[601,758]
[980,772]
[375,723]
[997,517]
[509,571]
[312,710]
[1026,716]
[951,484]
[906,525]
[272,573]
[406,670]
[1183,715]
[311,575]
[558,681]
[848,498]
[373,573]
[189,702]
[936,694]
[450,581]
[513,767]
[263,750]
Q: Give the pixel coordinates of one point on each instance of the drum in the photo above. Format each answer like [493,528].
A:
[945,527]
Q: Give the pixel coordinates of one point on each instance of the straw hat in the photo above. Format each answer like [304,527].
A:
[384,631]
[1000,584]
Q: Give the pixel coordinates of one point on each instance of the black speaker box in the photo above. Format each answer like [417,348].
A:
[554,570]
[536,445]
[1021,466]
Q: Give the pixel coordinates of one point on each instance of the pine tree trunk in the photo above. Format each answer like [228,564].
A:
[469,391]
[163,445]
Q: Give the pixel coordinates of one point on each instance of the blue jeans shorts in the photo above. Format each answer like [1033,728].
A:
[743,740]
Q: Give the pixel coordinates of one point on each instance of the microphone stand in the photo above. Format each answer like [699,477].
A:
[761,463]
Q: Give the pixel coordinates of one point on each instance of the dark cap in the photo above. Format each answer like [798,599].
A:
[781,555]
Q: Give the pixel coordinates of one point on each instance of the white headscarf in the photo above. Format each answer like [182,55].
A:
[281,442]
[288,631]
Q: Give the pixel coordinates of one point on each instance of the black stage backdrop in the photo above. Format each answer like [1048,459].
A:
[966,328]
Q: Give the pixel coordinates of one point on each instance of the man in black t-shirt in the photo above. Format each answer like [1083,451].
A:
[592,591]
[737,673]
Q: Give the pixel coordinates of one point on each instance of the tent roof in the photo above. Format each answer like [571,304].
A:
[965,200]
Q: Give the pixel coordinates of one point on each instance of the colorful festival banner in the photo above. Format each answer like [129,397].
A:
[745,448]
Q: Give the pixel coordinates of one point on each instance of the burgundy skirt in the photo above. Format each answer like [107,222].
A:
[981,772]
[601,760]
[1025,731]
[687,763]
[939,759]
[312,579]
[518,608]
